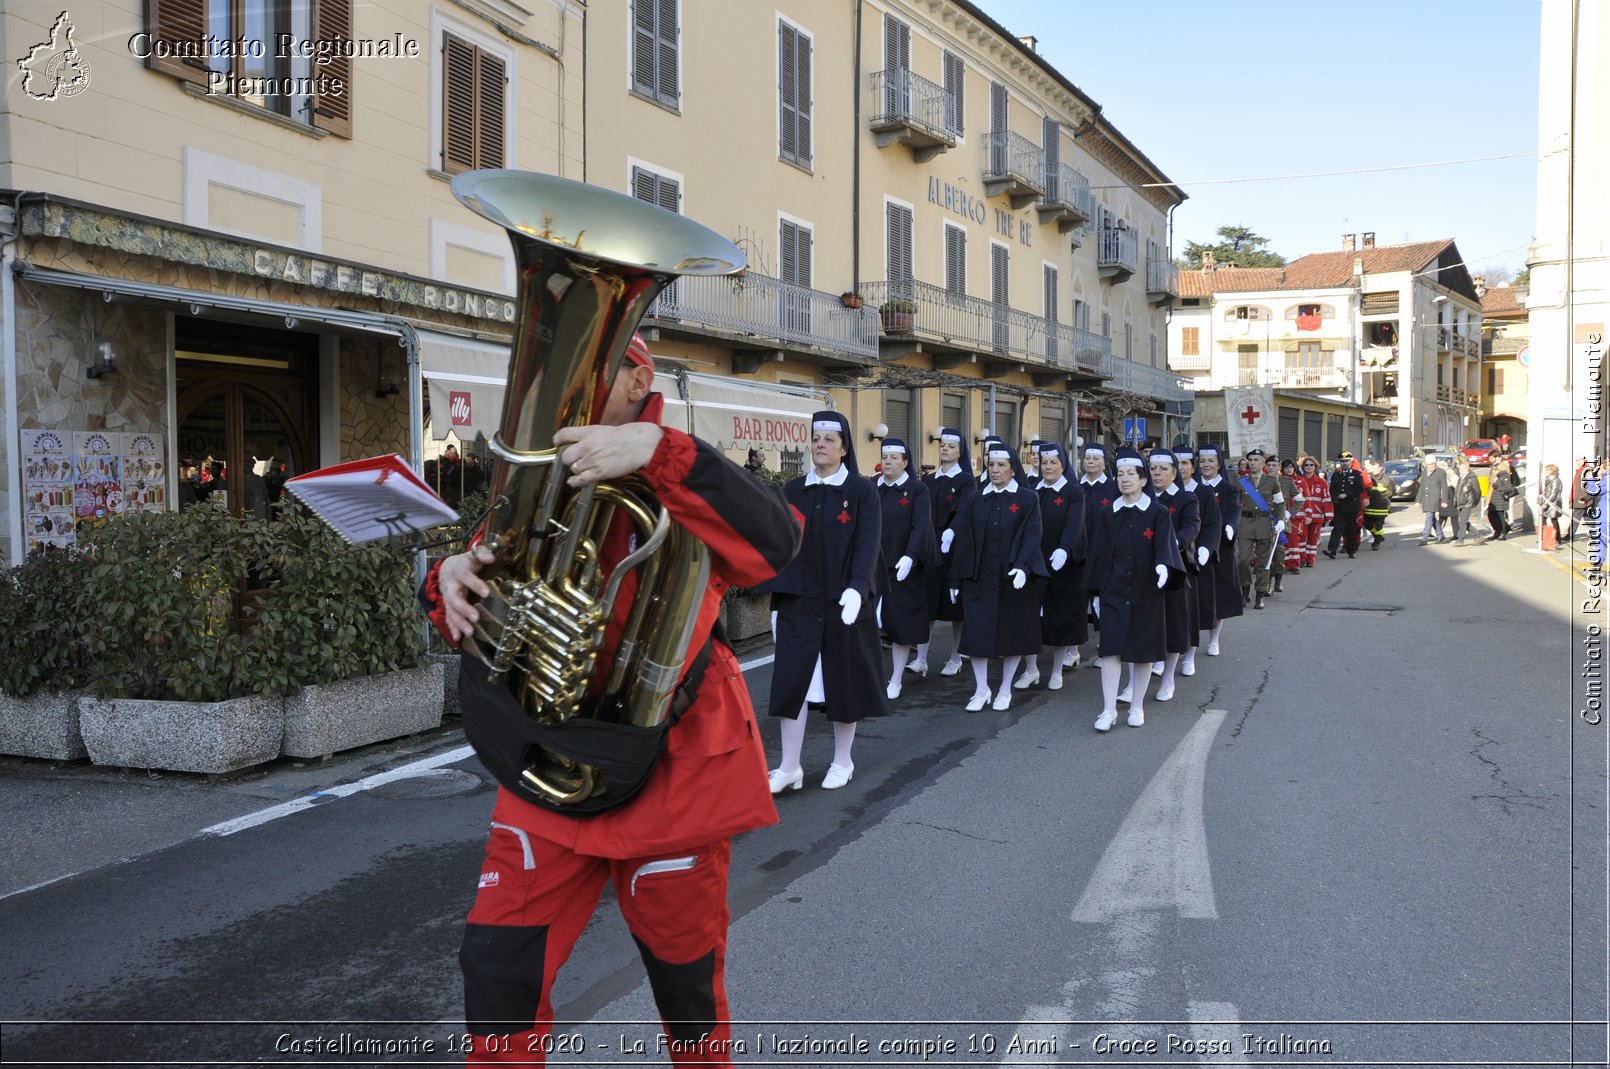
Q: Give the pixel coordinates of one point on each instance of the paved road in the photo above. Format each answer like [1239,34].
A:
[1366,834]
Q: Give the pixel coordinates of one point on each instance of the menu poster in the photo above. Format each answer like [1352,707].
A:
[145,476]
[97,480]
[47,488]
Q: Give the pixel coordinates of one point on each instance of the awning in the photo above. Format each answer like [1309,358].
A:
[735,414]
[466,380]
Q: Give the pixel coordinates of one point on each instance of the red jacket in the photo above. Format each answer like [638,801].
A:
[710,782]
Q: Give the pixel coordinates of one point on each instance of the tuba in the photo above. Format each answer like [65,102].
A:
[590,262]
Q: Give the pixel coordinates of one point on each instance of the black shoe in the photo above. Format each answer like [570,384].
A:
[1350,556]
[1375,545]
[1331,553]
[1257,603]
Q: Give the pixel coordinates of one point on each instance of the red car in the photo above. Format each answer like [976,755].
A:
[1479,451]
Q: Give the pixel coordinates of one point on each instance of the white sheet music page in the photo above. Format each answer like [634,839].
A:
[367,500]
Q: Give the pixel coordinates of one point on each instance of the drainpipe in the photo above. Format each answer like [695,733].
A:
[855,158]
[8,360]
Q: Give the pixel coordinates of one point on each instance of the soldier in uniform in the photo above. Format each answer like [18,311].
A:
[948,489]
[1263,518]
[1290,557]
[1347,499]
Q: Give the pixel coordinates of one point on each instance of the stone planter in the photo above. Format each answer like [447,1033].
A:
[42,725]
[331,717]
[208,737]
[748,617]
[450,663]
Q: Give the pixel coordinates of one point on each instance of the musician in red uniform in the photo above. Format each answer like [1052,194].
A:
[667,849]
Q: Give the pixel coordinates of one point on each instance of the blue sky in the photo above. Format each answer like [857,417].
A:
[1213,90]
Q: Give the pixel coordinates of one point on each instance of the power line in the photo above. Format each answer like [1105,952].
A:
[1316,174]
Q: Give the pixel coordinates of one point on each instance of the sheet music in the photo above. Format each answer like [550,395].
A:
[370,500]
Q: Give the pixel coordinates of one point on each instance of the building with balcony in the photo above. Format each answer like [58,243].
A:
[1396,329]
[1505,362]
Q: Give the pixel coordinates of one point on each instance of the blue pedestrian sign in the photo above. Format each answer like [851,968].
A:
[1135,429]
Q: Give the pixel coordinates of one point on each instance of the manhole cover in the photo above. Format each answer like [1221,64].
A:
[1340,606]
[430,783]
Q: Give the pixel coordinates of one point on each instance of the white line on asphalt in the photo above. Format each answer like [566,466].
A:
[1159,859]
[1216,1026]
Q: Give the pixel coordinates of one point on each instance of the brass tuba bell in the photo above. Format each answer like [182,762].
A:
[590,263]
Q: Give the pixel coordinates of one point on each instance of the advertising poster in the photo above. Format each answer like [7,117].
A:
[97,485]
[145,475]
[47,488]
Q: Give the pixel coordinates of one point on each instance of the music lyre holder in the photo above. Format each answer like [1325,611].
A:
[411,539]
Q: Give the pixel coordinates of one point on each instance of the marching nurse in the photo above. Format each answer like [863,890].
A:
[949,486]
[1063,621]
[908,551]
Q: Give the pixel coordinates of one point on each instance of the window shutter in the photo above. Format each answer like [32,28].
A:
[956,260]
[787,86]
[956,87]
[172,21]
[332,20]
[998,272]
[802,254]
[665,57]
[458,105]
[489,112]
[896,44]
[668,194]
[1053,156]
[1189,343]
[802,98]
[898,234]
[997,128]
[1050,293]
[897,406]
[643,44]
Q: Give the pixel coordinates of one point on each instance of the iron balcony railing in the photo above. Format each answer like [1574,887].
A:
[1118,248]
[1008,155]
[969,323]
[1157,382]
[901,98]
[1325,378]
[1066,186]
[1162,277]
[765,307]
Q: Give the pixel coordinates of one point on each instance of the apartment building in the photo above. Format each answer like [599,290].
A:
[1386,339]
[1506,361]
[942,229]
[229,233]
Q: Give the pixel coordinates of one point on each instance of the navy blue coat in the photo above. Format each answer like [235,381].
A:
[946,495]
[908,531]
[994,534]
[1212,536]
[1126,545]
[1183,621]
[1065,620]
[1226,582]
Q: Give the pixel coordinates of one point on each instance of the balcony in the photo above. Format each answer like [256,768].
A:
[910,110]
[1157,382]
[958,329]
[1469,344]
[1014,167]
[1067,198]
[1290,378]
[1194,362]
[1162,280]
[1380,356]
[759,309]
[1118,254]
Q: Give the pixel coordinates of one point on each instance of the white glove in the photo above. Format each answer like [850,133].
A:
[1059,557]
[954,594]
[945,540]
[850,601]
[1229,532]
[1162,576]
[1280,526]
[1019,578]
[1201,556]
[1095,607]
[902,569]
[774,625]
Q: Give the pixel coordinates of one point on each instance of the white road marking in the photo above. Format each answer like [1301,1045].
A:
[1220,1023]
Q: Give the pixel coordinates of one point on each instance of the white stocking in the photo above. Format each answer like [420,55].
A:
[793,732]
[1170,662]
[1111,669]
[843,739]
[981,675]
[901,654]
[1009,670]
[1140,676]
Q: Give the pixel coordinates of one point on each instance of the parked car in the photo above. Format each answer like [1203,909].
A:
[1479,451]
[1422,450]
[1405,478]
[1517,461]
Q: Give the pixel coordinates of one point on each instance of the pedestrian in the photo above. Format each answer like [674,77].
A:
[1436,500]
[1133,557]
[188,484]
[1208,538]
[1263,519]
[1549,503]
[1296,522]
[1466,500]
[1347,501]
[1227,600]
[997,573]
[1317,510]
[949,486]
[1500,489]
[824,607]
[1064,625]
[909,549]
[667,847]
[1581,498]
[1181,622]
[1377,507]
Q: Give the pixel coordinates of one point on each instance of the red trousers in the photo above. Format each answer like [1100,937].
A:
[534,900]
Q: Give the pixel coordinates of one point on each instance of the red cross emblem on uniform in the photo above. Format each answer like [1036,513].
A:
[1251,415]
[844,517]
[1106,501]
[904,501]
[1058,500]
[1011,508]
[1149,533]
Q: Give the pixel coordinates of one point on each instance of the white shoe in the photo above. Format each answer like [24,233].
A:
[1157,668]
[1003,700]
[1027,679]
[1072,659]
[1164,693]
[1136,718]
[1188,665]
[892,690]
[951,668]
[919,667]
[1212,649]
[782,781]
[1055,682]
[976,702]
[1126,695]
[1105,721]
[837,776]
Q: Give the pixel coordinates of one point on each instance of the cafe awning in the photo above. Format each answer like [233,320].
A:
[465,378]
[739,414]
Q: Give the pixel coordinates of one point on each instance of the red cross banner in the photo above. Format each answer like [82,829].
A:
[1250,412]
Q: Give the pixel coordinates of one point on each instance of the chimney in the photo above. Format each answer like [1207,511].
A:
[1032,42]
[1358,267]
[1348,241]
[1480,282]
[1369,239]
[1207,260]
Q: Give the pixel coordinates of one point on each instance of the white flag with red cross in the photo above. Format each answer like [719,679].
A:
[1251,415]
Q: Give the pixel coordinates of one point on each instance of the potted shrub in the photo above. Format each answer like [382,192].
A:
[850,299]
[40,666]
[897,314]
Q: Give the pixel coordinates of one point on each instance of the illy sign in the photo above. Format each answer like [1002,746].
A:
[458,403]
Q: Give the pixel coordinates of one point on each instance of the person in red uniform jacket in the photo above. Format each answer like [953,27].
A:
[667,849]
[1317,509]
